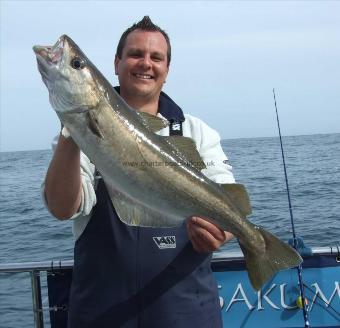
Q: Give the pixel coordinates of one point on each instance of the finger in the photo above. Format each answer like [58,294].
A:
[228,236]
[195,238]
[199,245]
[215,231]
[202,239]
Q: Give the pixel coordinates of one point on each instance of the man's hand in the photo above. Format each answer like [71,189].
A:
[205,236]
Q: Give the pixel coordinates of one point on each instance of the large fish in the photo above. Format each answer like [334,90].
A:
[153,181]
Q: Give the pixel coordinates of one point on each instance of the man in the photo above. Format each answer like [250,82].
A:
[132,276]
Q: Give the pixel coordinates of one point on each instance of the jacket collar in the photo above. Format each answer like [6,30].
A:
[167,108]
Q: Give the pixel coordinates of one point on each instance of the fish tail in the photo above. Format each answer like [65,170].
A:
[275,256]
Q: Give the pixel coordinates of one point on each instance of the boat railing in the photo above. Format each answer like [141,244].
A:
[36,268]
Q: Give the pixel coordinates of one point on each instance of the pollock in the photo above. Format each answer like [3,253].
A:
[114,135]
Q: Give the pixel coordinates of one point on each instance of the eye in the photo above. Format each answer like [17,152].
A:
[156,59]
[77,63]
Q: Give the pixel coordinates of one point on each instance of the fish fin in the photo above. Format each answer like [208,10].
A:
[134,213]
[277,255]
[187,147]
[92,122]
[238,193]
[153,122]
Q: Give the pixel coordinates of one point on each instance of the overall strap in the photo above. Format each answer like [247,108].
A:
[175,128]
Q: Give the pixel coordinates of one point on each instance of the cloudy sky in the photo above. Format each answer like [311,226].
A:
[227,57]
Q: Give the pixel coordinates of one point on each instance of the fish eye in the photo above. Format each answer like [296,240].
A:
[77,63]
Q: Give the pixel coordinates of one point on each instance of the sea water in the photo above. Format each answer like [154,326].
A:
[28,232]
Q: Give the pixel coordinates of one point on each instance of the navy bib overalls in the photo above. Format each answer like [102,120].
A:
[126,276]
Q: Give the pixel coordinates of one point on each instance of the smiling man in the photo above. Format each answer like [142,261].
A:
[127,276]
[142,66]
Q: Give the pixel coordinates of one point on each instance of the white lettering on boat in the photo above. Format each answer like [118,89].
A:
[318,292]
[283,302]
[263,297]
[266,298]
[243,299]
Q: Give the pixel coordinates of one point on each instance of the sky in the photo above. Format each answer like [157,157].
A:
[227,56]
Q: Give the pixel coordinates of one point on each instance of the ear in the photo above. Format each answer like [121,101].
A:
[117,60]
[167,72]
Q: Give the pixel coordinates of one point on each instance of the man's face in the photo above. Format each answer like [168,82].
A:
[143,68]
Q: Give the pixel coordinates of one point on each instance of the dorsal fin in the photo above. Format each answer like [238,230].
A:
[153,122]
[187,147]
[184,145]
[238,193]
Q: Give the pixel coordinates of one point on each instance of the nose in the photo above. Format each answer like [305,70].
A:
[145,62]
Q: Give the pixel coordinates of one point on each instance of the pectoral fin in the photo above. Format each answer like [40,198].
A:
[93,124]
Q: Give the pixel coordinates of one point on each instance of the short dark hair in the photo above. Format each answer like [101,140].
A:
[145,25]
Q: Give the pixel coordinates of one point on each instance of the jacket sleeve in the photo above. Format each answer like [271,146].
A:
[88,196]
[208,144]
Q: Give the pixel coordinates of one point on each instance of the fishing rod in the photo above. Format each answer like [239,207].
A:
[299,268]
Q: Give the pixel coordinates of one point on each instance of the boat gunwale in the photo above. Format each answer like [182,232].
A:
[220,256]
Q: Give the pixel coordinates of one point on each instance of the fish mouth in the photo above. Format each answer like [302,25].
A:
[49,57]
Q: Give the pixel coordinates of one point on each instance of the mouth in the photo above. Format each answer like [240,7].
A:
[49,56]
[143,76]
